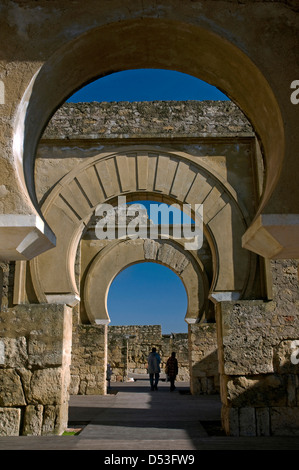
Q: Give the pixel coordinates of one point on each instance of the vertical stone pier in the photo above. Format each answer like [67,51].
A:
[259,373]
[35,356]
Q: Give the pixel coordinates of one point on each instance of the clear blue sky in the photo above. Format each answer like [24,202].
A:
[148,293]
[147,85]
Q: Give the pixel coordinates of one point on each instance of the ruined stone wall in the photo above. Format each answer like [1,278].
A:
[259,376]
[89,360]
[35,355]
[7,271]
[128,350]
[148,119]
[204,373]
[140,343]
[88,368]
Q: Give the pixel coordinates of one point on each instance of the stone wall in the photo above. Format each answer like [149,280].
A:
[35,355]
[132,360]
[204,373]
[259,378]
[89,360]
[128,350]
[148,119]
[7,271]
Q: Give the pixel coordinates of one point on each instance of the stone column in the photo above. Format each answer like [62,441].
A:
[35,355]
[258,343]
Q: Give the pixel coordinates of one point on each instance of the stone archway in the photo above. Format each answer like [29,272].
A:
[208,41]
[123,253]
[139,172]
[192,48]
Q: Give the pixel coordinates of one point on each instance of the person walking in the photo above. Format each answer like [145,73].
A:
[153,368]
[171,370]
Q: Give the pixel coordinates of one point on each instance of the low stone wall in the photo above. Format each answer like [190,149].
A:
[129,347]
[259,370]
[35,355]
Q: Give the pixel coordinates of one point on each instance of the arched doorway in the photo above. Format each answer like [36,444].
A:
[147,303]
[60,77]
[148,294]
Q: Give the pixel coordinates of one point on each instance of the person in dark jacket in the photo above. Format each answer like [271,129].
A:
[153,367]
[171,370]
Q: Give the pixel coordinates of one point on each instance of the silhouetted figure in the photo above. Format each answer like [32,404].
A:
[171,370]
[153,368]
[108,375]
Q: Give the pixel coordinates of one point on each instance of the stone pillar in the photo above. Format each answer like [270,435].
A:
[258,359]
[89,360]
[203,358]
[35,355]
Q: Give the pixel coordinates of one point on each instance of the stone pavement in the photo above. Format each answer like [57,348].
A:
[134,418]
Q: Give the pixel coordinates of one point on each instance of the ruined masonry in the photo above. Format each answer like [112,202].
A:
[242,313]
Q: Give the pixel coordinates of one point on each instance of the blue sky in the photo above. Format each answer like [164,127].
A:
[148,293]
[147,85]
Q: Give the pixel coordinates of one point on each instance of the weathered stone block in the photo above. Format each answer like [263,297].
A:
[55,419]
[10,419]
[33,419]
[247,421]
[262,421]
[43,350]
[285,421]
[46,387]
[14,352]
[256,391]
[74,385]
[230,420]
[12,393]
[283,359]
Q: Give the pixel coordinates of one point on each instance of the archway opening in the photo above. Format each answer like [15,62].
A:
[147,303]
[76,64]
[148,294]
[138,195]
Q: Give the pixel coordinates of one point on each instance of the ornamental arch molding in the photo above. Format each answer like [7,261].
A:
[120,254]
[156,43]
[142,173]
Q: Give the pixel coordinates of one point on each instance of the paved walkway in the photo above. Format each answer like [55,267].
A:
[135,418]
